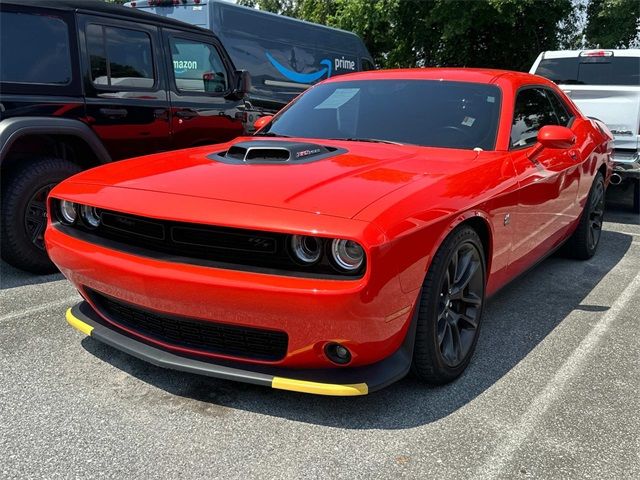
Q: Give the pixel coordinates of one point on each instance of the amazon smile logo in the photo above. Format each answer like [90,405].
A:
[303,77]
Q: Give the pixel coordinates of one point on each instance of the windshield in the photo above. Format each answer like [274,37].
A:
[419,112]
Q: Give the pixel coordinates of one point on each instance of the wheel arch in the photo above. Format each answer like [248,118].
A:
[413,277]
[37,136]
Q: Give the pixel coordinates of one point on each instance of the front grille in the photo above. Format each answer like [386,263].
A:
[198,244]
[209,337]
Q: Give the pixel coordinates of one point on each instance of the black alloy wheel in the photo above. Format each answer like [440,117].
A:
[450,310]
[583,242]
[460,304]
[596,214]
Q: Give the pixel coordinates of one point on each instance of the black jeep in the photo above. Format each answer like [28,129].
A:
[85,83]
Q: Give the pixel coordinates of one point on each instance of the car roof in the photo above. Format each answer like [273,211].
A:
[103,8]
[473,75]
[628,52]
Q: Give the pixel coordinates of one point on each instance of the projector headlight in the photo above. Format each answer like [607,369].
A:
[347,254]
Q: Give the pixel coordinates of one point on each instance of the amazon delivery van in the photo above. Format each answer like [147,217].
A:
[283,55]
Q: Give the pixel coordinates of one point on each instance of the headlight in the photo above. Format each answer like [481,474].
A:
[347,254]
[68,212]
[90,216]
[306,250]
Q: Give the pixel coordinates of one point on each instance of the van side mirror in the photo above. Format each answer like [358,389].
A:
[554,137]
[262,121]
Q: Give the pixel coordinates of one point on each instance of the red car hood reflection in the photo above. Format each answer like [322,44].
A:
[341,186]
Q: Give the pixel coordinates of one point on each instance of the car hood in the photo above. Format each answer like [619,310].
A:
[341,184]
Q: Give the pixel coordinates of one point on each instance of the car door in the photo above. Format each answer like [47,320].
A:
[548,181]
[125,85]
[203,108]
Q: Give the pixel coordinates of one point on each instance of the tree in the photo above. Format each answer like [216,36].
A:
[612,23]
[405,33]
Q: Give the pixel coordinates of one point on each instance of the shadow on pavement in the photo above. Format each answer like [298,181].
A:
[516,320]
[620,204]
[12,277]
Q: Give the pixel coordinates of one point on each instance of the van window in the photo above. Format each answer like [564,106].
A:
[367,65]
[591,70]
[120,57]
[197,67]
[34,49]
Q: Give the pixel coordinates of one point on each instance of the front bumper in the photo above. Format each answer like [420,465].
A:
[369,317]
[334,382]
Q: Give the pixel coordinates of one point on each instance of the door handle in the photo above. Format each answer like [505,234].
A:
[114,112]
[186,114]
[161,114]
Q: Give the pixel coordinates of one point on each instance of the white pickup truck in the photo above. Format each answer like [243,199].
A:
[604,84]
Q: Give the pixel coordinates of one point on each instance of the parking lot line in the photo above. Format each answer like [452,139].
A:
[39,308]
[504,451]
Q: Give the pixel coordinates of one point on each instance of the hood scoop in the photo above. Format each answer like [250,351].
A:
[275,152]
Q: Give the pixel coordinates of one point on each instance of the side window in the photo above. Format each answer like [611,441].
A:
[197,67]
[34,49]
[120,58]
[532,112]
[560,108]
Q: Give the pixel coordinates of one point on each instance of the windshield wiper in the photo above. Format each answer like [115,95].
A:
[370,140]
[270,134]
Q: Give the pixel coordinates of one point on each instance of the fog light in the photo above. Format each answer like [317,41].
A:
[347,254]
[90,216]
[68,212]
[337,353]
[306,250]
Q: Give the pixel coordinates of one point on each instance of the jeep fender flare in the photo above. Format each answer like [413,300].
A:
[11,129]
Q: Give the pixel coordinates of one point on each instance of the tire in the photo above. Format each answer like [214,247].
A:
[23,212]
[635,205]
[583,243]
[434,358]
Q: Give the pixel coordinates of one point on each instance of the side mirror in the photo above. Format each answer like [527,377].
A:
[241,86]
[243,82]
[262,121]
[555,136]
[552,136]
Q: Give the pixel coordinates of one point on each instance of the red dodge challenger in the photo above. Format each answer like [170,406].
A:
[356,236]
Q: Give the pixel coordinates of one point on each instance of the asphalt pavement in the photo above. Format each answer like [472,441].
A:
[552,392]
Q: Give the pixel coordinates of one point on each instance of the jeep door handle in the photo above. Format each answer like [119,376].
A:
[114,112]
[186,114]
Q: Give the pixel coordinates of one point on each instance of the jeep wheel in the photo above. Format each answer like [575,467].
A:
[24,212]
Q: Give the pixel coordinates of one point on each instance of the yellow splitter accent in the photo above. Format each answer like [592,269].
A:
[78,324]
[280,383]
[319,388]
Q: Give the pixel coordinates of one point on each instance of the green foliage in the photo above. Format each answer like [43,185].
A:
[612,23]
[403,33]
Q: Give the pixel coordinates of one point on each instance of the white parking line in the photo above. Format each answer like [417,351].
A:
[504,451]
[39,308]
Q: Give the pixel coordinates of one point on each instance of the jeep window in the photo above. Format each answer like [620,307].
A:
[34,49]
[532,111]
[591,70]
[197,67]
[120,58]
[420,112]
